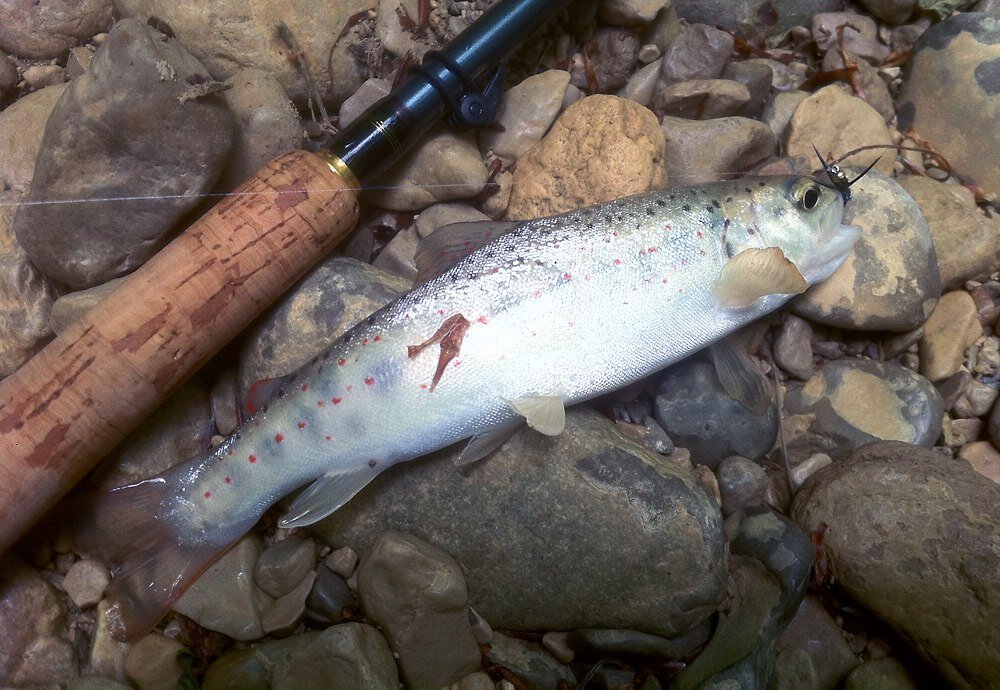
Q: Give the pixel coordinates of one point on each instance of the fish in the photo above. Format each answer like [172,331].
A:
[510,323]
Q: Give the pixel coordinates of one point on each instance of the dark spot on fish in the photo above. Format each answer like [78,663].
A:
[671,197]
[778,211]
[372,463]
[748,190]
[762,184]
[590,226]
[751,231]
[686,207]
[729,249]
[710,209]
[587,211]
[725,224]
[661,202]
[729,199]
[326,355]
[608,219]
[715,202]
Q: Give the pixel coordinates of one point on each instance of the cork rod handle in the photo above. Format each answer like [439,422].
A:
[69,405]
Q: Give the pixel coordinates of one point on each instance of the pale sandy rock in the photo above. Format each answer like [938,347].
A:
[951,328]
[42,30]
[152,663]
[613,147]
[85,582]
[700,151]
[984,458]
[526,112]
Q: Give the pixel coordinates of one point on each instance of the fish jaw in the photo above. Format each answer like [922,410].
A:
[833,254]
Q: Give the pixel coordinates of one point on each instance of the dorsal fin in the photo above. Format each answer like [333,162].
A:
[449,244]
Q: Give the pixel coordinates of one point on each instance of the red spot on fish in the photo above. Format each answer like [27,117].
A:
[587,277]
[567,276]
[253,459]
[320,403]
[304,387]
[365,341]
[665,281]
[651,250]
[377,339]
[684,262]
[481,319]
[615,233]
[328,437]
[279,438]
[618,262]
[424,386]
[336,401]
[458,363]
[536,293]
[699,234]
[668,227]
[302,425]
[208,494]
[369,380]
[229,480]
[350,386]
[571,323]
[231,452]
[441,312]
[341,361]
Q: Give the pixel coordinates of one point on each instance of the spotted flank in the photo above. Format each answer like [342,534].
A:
[510,323]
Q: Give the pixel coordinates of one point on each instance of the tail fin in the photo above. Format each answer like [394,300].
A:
[151,565]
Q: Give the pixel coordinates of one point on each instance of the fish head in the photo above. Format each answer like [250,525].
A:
[804,219]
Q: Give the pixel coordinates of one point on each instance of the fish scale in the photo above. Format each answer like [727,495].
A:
[556,311]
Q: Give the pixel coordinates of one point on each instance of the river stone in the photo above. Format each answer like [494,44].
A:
[890,281]
[778,112]
[266,124]
[693,407]
[97,140]
[44,30]
[742,483]
[966,240]
[284,564]
[617,147]
[951,328]
[881,674]
[85,582]
[869,79]
[823,653]
[351,656]
[951,94]
[26,297]
[152,662]
[445,165]
[70,308]
[756,77]
[224,598]
[8,76]
[698,51]
[850,402]
[22,125]
[642,83]
[329,597]
[862,41]
[836,122]
[702,99]
[586,514]
[890,11]
[331,298]
[612,54]
[227,35]
[631,12]
[771,562]
[530,662]
[699,151]
[754,19]
[793,348]
[601,642]
[180,431]
[914,536]
[526,112]
[416,593]
[33,648]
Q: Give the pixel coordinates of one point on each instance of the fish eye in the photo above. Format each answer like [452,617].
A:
[808,197]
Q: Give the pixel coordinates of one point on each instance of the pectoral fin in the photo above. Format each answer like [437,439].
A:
[483,444]
[328,493]
[545,413]
[449,244]
[739,376]
[754,273]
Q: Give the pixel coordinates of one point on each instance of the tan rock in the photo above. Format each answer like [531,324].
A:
[601,148]
[966,240]
[836,123]
[984,458]
[152,663]
[526,113]
[952,327]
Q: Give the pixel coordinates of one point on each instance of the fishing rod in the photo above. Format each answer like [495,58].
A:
[75,400]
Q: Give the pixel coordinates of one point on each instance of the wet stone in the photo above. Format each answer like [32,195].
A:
[282,616]
[334,296]
[446,165]
[284,564]
[366,96]
[8,75]
[619,147]
[225,598]
[820,645]
[642,84]
[756,77]
[151,663]
[881,674]
[793,348]
[890,281]
[40,76]
[708,150]
[40,31]
[778,112]
[343,561]
[70,308]
[353,656]
[836,123]
[993,426]
[951,328]
[851,402]
[753,19]
[85,582]
[630,12]
[965,239]
[863,42]
[698,51]
[890,11]
[612,53]
[589,495]
[526,112]
[333,71]
[951,94]
[530,662]
[417,594]
[914,536]
[702,99]
[699,415]
[602,642]
[328,598]
[742,483]
[33,648]
[872,84]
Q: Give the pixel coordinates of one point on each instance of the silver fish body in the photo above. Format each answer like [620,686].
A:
[564,308]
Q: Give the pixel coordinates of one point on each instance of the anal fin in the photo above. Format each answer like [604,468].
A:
[328,493]
[546,414]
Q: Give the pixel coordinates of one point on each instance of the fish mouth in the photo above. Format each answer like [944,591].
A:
[833,254]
